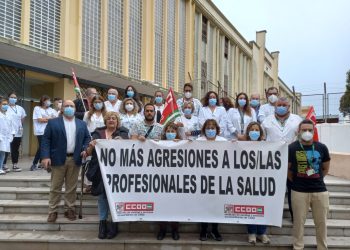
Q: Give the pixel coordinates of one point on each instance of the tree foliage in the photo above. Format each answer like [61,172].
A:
[344,106]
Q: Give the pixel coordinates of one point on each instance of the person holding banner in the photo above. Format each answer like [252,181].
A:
[129,113]
[308,164]
[188,97]
[171,132]
[210,132]
[239,118]
[158,104]
[147,128]
[189,122]
[113,103]
[254,132]
[210,110]
[94,117]
[131,92]
[83,105]
[112,130]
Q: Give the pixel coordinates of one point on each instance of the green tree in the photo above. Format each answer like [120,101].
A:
[344,106]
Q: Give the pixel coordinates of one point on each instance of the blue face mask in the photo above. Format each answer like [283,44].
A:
[111,97]
[158,99]
[242,102]
[68,111]
[187,111]
[254,103]
[4,107]
[212,101]
[12,100]
[170,135]
[98,105]
[210,133]
[48,103]
[281,110]
[254,135]
[130,93]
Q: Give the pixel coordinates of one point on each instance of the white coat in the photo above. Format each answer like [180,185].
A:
[7,132]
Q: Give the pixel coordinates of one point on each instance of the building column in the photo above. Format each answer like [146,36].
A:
[126,27]
[176,65]
[190,40]
[104,34]
[275,56]
[25,22]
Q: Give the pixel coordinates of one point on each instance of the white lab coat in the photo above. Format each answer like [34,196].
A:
[234,122]
[274,131]
[7,132]
[219,115]
[265,111]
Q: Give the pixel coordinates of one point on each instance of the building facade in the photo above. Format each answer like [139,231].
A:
[151,44]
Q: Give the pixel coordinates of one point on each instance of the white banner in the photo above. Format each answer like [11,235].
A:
[199,181]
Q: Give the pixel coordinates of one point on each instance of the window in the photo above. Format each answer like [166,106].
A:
[204,29]
[135,38]
[10,19]
[45,24]
[171,43]
[182,44]
[158,41]
[227,42]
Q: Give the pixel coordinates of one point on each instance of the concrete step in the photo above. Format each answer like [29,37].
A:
[37,222]
[88,240]
[32,193]
[337,212]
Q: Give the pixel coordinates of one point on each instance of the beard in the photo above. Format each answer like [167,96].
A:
[149,118]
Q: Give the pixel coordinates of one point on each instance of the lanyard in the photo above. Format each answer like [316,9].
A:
[14,109]
[313,154]
[241,113]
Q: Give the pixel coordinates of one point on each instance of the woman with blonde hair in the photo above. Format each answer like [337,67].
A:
[129,113]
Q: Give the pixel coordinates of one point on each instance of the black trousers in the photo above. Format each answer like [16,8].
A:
[214,227]
[15,144]
[289,194]
[37,155]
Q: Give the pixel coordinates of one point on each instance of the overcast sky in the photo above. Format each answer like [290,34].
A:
[313,38]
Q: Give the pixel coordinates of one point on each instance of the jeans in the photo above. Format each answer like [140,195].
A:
[103,207]
[2,157]
[257,229]
[14,150]
[37,155]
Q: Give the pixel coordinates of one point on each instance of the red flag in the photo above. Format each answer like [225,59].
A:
[171,111]
[311,115]
[75,80]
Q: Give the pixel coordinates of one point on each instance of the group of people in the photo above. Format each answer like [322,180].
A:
[64,141]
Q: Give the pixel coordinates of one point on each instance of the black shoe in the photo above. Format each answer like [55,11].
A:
[203,236]
[175,235]
[216,235]
[102,232]
[113,230]
[161,235]
[33,167]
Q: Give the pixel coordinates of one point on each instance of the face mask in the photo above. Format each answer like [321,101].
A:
[170,135]
[273,98]
[254,103]
[129,107]
[307,136]
[187,111]
[188,95]
[210,133]
[254,135]
[111,97]
[4,107]
[281,110]
[47,103]
[242,102]
[130,93]
[68,111]
[212,101]
[12,101]
[98,105]
[158,99]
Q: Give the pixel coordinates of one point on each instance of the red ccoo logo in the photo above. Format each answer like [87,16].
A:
[248,209]
[138,206]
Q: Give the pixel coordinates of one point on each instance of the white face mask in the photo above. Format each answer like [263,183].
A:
[307,136]
[273,98]
[188,94]
[129,107]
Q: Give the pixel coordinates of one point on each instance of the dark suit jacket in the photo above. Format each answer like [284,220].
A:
[54,141]
[79,108]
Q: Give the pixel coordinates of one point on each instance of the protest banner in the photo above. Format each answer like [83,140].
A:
[192,181]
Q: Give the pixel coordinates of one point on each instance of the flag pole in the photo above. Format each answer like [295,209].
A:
[77,89]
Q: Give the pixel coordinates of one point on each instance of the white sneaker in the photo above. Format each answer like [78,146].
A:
[2,172]
[264,239]
[5,168]
[252,238]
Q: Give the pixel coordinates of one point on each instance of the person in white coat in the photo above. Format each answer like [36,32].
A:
[210,110]
[129,113]
[238,118]
[7,132]
[112,103]
[188,97]
[94,117]
[188,123]
[268,108]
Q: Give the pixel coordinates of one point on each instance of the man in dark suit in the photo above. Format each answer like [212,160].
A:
[63,146]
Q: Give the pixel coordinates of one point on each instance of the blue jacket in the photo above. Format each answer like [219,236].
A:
[54,141]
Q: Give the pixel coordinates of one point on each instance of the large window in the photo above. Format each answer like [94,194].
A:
[91,32]
[45,24]
[182,44]
[135,38]
[115,35]
[10,19]
[158,41]
[171,43]
[204,29]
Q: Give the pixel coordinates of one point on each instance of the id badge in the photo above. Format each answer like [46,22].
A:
[310,172]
